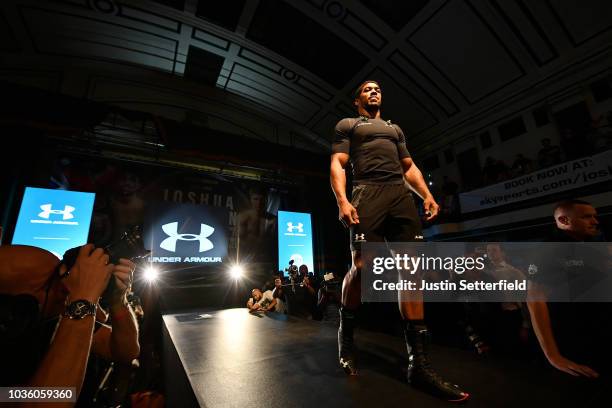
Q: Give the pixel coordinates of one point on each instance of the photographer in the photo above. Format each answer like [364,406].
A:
[278,293]
[261,301]
[85,283]
[303,303]
[32,307]
[328,299]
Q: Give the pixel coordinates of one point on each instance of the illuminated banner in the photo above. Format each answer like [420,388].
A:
[294,240]
[55,220]
[186,233]
[562,177]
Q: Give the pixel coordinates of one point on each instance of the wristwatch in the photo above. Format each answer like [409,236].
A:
[79,309]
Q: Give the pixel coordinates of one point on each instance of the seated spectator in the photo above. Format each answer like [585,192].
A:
[574,145]
[268,284]
[261,301]
[600,134]
[522,165]
[328,299]
[503,171]
[549,154]
[302,271]
[449,187]
[494,171]
[488,171]
[40,348]
[279,294]
[450,199]
[309,298]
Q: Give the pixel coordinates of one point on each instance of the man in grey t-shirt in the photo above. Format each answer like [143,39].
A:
[261,301]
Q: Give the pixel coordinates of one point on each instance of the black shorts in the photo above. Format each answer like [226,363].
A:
[386,213]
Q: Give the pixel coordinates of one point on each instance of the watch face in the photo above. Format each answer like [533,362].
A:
[80,308]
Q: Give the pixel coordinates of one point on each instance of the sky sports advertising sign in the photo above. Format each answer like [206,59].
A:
[561,177]
[186,233]
[294,240]
[55,220]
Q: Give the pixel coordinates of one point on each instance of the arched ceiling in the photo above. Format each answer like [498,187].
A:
[440,62]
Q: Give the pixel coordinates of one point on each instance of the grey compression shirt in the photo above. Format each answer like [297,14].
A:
[375,148]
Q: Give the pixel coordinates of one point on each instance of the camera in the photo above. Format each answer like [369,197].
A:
[292,270]
[331,283]
[130,246]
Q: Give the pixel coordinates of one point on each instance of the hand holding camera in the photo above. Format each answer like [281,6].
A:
[89,275]
[123,275]
[129,246]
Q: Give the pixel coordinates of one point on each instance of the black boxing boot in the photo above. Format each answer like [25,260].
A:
[420,373]
[346,352]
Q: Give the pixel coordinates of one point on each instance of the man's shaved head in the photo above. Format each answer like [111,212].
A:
[577,218]
[566,206]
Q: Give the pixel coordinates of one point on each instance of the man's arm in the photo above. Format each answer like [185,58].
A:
[540,320]
[271,305]
[124,335]
[65,362]
[253,306]
[309,288]
[347,213]
[120,342]
[414,177]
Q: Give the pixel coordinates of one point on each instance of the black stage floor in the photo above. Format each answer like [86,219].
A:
[231,358]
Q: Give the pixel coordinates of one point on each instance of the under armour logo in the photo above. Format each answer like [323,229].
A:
[171,229]
[359,237]
[291,227]
[66,212]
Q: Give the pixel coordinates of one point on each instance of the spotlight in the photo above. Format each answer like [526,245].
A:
[236,272]
[151,274]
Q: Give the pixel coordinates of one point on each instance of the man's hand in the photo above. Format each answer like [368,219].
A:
[572,368]
[431,208]
[123,273]
[347,214]
[90,274]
